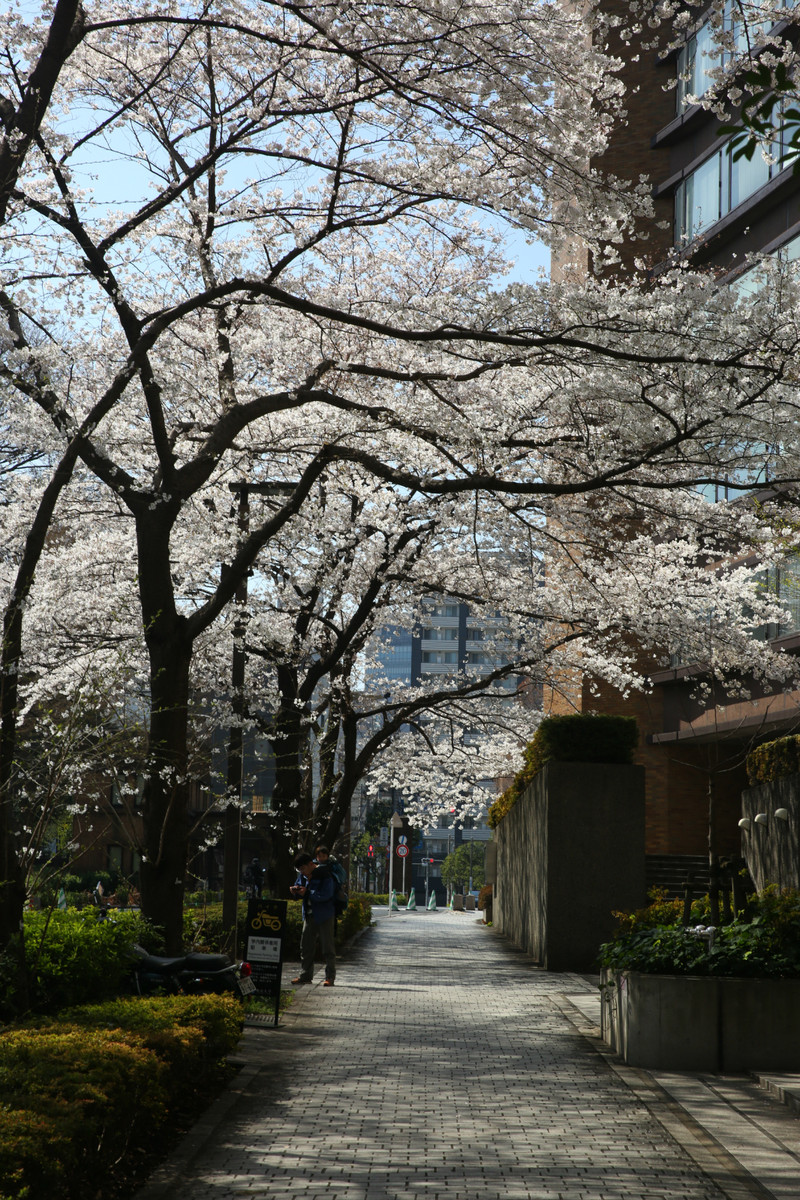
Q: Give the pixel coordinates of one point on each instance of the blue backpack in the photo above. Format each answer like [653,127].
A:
[340,897]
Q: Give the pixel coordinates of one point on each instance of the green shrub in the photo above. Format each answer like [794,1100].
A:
[73,958]
[94,1094]
[357,915]
[765,943]
[87,1096]
[584,738]
[662,910]
[576,737]
[217,1018]
[774,760]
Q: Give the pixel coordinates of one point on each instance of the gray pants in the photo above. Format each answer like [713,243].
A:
[308,943]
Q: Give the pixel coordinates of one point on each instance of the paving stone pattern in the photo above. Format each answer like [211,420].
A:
[441,1065]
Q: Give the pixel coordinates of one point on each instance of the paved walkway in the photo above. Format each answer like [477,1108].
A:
[445,1065]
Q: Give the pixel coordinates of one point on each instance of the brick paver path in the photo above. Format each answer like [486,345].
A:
[439,1066]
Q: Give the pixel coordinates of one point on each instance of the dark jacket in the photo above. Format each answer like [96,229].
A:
[320,887]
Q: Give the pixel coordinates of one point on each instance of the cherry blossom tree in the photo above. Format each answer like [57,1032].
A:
[262,243]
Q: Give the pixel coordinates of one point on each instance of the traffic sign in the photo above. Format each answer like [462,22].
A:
[402,851]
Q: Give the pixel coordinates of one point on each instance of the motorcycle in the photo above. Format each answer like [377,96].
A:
[190,974]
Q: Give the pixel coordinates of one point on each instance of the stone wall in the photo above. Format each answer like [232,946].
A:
[570,852]
[772,850]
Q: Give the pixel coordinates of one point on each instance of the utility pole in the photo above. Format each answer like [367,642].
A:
[232,820]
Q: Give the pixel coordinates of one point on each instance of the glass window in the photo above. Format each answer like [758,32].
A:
[439,656]
[702,202]
[747,177]
[721,183]
[701,55]
[440,634]
[444,610]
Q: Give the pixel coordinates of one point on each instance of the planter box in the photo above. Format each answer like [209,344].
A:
[698,1023]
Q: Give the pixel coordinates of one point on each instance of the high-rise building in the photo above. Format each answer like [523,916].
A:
[448,639]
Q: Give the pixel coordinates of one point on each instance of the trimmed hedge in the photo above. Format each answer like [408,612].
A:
[774,760]
[576,737]
[90,1098]
[583,738]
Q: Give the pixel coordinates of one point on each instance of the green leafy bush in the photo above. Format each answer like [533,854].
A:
[73,958]
[774,760]
[217,1019]
[357,915]
[662,910]
[576,737]
[86,1096]
[764,944]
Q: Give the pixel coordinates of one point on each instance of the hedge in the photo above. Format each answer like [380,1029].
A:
[576,737]
[774,760]
[73,958]
[90,1098]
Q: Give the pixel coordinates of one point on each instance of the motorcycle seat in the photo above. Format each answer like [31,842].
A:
[160,963]
[206,962]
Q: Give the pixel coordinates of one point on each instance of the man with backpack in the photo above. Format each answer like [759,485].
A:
[340,897]
[315,885]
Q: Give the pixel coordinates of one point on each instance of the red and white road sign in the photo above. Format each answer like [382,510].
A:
[402,851]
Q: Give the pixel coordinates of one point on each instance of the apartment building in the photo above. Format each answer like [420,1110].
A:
[713,209]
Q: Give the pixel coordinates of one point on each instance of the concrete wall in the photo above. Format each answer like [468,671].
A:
[772,851]
[569,853]
[694,1023]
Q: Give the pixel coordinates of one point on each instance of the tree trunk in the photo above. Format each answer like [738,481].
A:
[167,787]
[12,879]
[167,790]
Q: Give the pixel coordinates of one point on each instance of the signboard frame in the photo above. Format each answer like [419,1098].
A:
[264,940]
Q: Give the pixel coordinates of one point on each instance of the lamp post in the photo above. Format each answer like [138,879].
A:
[395,823]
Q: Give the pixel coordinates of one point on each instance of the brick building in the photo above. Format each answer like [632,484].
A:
[715,210]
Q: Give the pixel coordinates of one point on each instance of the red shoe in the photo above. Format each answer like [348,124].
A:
[301,980]
[328,983]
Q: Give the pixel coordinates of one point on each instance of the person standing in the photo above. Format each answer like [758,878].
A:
[316,886]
